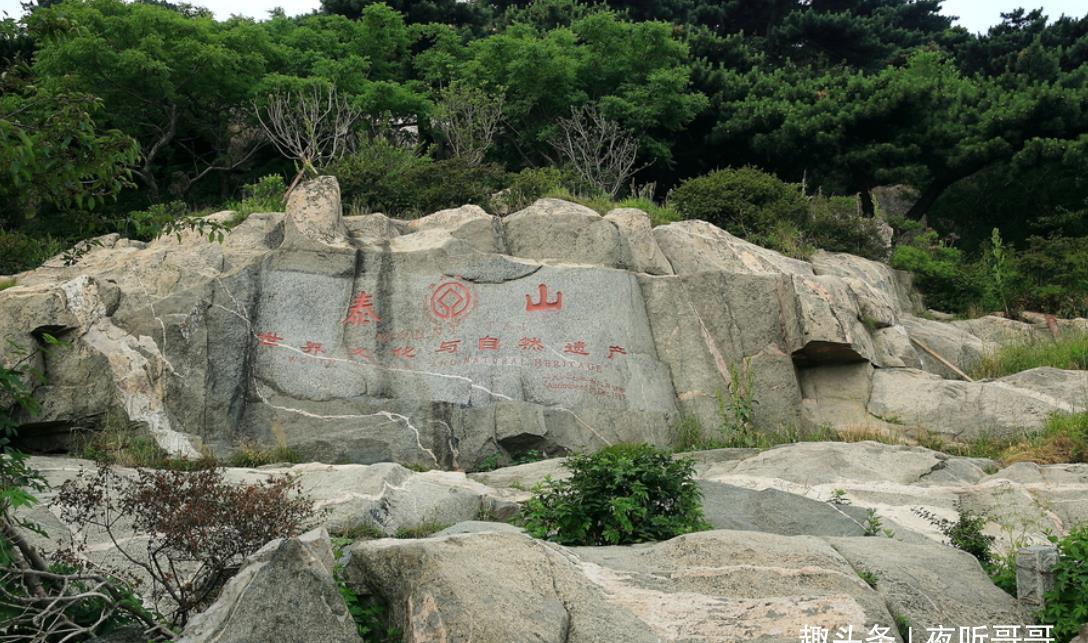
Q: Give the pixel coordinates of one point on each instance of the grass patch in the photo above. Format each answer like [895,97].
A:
[122,445]
[420,531]
[249,455]
[869,576]
[1063,439]
[361,531]
[1069,351]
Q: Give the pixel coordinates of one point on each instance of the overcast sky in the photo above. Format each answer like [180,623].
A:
[976,15]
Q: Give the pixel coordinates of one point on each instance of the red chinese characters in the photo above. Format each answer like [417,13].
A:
[530,344]
[312,348]
[616,350]
[488,344]
[542,302]
[404,352]
[449,346]
[362,354]
[576,348]
[268,339]
[361,310]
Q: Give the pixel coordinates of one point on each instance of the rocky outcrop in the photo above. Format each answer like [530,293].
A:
[786,551]
[718,585]
[459,336]
[284,593]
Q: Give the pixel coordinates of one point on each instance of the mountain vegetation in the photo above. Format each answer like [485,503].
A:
[111,109]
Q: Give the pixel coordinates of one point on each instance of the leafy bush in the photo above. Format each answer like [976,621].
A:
[747,202]
[266,195]
[376,177]
[451,183]
[1053,276]
[148,224]
[836,225]
[1066,606]
[1064,438]
[19,252]
[627,493]
[384,177]
[531,184]
[1069,351]
[199,528]
[948,281]
[966,534]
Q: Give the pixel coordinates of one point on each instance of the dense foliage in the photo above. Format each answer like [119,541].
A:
[1067,604]
[111,108]
[620,495]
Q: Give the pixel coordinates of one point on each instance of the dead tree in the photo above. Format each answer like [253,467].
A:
[314,126]
[468,119]
[597,148]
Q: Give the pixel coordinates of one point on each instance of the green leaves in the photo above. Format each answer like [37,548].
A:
[1066,606]
[620,495]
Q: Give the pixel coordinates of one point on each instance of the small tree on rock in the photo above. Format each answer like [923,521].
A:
[313,126]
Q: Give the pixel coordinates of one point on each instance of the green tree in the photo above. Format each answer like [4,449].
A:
[174,83]
[51,151]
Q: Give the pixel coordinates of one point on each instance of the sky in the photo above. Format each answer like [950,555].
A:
[975,15]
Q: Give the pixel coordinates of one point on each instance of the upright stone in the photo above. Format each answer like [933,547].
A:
[313,216]
[1035,574]
[285,593]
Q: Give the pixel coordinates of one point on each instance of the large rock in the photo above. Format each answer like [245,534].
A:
[698,246]
[458,337]
[386,497]
[284,593]
[774,512]
[931,585]
[876,285]
[964,411]
[720,585]
[952,343]
[554,230]
[640,250]
[314,218]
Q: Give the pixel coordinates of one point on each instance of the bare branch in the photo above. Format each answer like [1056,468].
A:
[597,148]
[313,126]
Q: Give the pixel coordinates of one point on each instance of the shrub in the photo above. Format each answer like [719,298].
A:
[1066,606]
[948,281]
[376,177]
[531,184]
[451,183]
[19,252]
[1069,351]
[747,202]
[147,224]
[1053,276]
[266,195]
[836,225]
[384,177]
[966,534]
[199,528]
[623,494]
